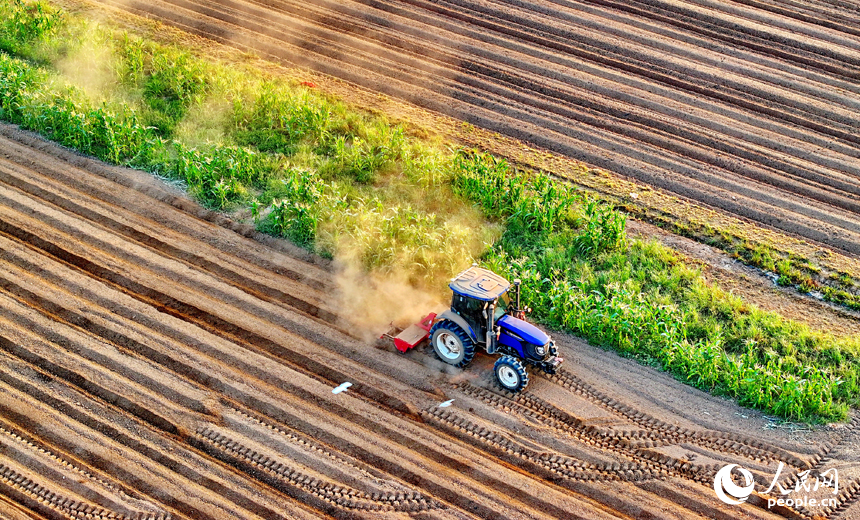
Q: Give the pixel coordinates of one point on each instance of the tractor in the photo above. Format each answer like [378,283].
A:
[482,314]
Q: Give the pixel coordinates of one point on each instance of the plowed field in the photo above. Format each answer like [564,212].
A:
[749,106]
[157,363]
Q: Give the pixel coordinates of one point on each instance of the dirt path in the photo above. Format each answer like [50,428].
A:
[748,107]
[155,363]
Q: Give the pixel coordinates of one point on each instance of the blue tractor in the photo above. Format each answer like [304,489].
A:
[482,314]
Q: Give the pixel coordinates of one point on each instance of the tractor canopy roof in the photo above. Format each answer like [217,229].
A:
[480,284]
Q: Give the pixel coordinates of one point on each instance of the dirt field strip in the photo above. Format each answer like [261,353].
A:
[155,363]
[746,109]
[138,405]
[173,378]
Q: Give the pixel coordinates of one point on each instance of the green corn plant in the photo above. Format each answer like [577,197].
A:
[131,59]
[309,170]
[22,23]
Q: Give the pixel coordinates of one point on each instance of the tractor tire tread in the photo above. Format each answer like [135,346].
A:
[518,367]
[468,345]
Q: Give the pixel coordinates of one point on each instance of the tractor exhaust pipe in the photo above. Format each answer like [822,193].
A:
[517,302]
[491,333]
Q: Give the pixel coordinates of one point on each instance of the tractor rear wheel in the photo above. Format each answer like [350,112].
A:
[451,343]
[511,374]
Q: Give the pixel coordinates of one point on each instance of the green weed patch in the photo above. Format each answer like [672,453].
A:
[641,300]
[351,186]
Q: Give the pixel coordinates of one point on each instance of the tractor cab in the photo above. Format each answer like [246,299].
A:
[478,293]
[483,314]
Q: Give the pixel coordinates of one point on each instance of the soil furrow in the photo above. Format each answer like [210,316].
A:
[778,45]
[597,55]
[253,401]
[787,223]
[548,98]
[152,201]
[113,218]
[825,16]
[81,424]
[642,70]
[148,345]
[647,43]
[657,62]
[88,387]
[199,316]
[612,89]
[831,20]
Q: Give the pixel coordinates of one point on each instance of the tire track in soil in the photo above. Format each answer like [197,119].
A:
[637,444]
[106,374]
[101,392]
[650,472]
[383,45]
[81,428]
[81,382]
[134,356]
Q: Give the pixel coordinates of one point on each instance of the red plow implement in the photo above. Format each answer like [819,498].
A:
[412,335]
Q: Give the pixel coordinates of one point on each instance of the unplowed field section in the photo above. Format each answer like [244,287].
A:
[155,364]
[749,106]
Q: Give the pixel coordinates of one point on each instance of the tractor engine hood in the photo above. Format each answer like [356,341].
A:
[523,329]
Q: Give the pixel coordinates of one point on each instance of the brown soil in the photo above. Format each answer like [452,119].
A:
[747,108]
[157,362]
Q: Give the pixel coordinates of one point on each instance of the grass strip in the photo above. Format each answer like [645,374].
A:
[350,185]
[639,298]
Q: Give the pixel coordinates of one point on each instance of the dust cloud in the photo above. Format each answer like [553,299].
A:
[205,123]
[414,280]
[373,302]
[88,67]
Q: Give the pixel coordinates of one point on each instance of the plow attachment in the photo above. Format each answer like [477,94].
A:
[412,335]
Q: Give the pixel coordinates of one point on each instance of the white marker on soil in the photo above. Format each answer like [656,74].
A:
[446,404]
[341,388]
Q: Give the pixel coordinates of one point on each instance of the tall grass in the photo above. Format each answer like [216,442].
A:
[579,274]
[304,166]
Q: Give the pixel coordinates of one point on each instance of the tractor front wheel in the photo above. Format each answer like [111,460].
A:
[511,374]
[451,343]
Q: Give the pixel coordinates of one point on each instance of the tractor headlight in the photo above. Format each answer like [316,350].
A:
[540,350]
